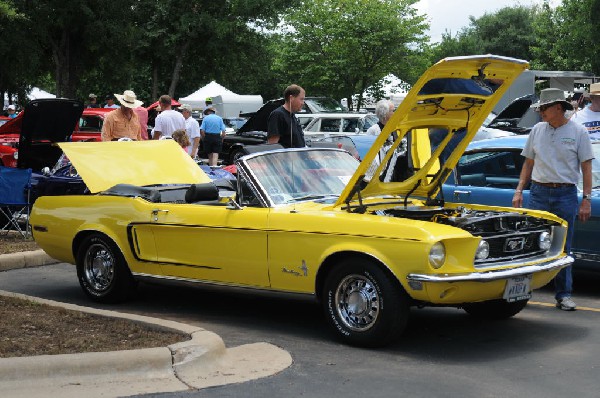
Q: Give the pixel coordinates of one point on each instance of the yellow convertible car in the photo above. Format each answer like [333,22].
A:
[368,240]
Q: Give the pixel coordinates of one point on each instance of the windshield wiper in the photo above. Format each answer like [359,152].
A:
[312,196]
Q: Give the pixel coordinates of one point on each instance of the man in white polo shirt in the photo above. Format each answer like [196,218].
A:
[557,151]
[168,120]
[192,129]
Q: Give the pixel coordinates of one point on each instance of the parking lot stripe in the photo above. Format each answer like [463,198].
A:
[554,305]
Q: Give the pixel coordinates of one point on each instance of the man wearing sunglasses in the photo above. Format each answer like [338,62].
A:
[556,152]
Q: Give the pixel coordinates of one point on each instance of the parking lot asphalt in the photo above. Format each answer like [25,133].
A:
[200,362]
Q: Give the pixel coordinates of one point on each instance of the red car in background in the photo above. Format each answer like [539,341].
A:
[9,140]
[90,124]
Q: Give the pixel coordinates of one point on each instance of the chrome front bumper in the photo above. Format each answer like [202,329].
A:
[493,275]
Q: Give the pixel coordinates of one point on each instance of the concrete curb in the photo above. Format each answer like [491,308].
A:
[200,362]
[25,259]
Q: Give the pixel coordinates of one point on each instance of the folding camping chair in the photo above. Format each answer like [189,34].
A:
[15,190]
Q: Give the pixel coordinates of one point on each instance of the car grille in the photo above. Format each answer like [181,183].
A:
[511,236]
[513,246]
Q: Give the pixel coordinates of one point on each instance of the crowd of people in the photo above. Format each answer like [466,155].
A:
[129,121]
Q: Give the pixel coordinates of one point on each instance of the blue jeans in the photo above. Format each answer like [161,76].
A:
[563,203]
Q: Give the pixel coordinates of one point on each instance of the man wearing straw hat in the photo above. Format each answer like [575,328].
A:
[557,149]
[123,122]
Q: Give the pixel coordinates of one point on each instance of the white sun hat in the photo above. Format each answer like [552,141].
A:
[128,99]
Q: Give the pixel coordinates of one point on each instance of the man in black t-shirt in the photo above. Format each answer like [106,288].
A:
[283,126]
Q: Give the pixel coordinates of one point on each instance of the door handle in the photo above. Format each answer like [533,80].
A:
[156,211]
[458,192]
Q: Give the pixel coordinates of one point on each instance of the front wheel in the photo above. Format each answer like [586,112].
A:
[495,309]
[102,271]
[365,305]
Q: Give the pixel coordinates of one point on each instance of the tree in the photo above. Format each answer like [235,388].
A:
[19,54]
[199,42]
[465,42]
[507,32]
[65,39]
[341,47]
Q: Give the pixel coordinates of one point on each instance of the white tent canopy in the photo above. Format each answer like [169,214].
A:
[197,98]
[231,105]
[36,93]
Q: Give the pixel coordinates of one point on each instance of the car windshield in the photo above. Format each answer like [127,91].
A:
[305,174]
[368,122]
[235,122]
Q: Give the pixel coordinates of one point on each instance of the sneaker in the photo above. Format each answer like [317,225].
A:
[566,304]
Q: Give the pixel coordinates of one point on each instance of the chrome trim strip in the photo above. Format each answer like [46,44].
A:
[585,256]
[205,282]
[513,233]
[493,275]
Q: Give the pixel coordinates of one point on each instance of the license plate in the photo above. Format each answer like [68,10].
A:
[518,288]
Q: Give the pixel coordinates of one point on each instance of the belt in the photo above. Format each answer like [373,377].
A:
[553,184]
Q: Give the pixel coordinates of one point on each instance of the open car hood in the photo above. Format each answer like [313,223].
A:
[103,165]
[518,117]
[431,128]
[48,119]
[259,120]
[43,123]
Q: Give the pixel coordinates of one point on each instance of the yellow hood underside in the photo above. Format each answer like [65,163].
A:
[103,165]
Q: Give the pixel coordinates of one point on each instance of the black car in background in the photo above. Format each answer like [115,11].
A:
[254,131]
[518,117]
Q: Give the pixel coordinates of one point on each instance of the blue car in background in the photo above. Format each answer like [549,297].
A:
[488,173]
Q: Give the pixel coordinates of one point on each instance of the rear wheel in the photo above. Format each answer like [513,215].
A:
[365,305]
[495,309]
[102,271]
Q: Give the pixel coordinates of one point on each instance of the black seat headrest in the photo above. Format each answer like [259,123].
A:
[202,193]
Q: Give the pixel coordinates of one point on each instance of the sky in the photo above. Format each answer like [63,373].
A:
[452,15]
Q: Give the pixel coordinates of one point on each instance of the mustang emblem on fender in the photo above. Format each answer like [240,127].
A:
[303,268]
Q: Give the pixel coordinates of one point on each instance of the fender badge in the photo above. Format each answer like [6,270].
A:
[303,268]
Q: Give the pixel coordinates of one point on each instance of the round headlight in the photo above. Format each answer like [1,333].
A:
[483,250]
[437,255]
[545,240]
[16,155]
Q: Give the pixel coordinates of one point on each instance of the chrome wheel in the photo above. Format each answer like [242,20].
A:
[99,267]
[102,270]
[357,302]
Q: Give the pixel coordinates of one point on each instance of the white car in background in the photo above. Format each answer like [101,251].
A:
[331,124]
